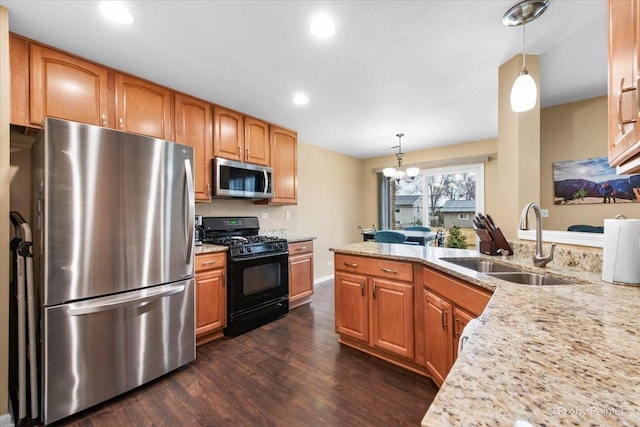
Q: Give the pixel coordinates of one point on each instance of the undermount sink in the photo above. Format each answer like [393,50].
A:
[526,278]
[480,265]
[505,272]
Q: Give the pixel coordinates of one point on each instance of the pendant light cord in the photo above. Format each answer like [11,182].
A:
[524,54]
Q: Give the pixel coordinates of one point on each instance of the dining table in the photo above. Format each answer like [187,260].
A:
[420,237]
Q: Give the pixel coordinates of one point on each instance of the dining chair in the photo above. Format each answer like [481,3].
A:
[417,228]
[388,236]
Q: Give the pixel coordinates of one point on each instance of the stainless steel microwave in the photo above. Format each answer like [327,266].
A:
[237,179]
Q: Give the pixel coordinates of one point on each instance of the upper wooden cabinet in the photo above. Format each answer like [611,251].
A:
[240,138]
[284,161]
[624,79]
[256,142]
[228,134]
[143,107]
[193,123]
[66,87]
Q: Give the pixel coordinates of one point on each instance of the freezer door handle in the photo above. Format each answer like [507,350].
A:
[190,210]
[114,302]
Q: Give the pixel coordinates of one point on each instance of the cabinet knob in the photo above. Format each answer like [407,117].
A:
[623,90]
[121,121]
[362,288]
[348,264]
[388,270]
[104,120]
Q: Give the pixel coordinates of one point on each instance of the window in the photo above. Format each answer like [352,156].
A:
[438,199]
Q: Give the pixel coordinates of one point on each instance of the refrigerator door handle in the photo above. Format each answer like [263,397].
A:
[115,302]
[190,210]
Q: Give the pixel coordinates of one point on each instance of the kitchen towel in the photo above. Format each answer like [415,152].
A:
[621,252]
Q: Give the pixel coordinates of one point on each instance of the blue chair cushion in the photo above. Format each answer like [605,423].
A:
[387,236]
[417,228]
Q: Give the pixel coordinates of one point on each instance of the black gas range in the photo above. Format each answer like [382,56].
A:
[257,272]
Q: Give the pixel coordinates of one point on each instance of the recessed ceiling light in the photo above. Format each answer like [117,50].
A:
[300,98]
[322,26]
[116,11]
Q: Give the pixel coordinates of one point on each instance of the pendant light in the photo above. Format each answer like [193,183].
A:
[409,174]
[524,92]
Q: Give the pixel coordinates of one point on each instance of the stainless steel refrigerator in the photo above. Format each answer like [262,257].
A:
[113,248]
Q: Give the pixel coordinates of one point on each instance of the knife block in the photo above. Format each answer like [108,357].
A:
[489,247]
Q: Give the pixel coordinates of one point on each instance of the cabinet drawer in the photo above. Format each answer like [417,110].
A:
[472,298]
[212,261]
[375,267]
[300,247]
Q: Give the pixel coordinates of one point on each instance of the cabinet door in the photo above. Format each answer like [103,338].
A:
[438,336]
[256,142]
[624,44]
[393,327]
[351,307]
[19,63]
[143,107]
[460,320]
[194,127]
[284,161]
[67,87]
[228,134]
[300,278]
[211,301]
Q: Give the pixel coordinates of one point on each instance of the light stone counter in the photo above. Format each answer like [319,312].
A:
[295,239]
[207,248]
[548,355]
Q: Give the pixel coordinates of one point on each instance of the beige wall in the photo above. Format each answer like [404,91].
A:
[460,151]
[5,91]
[518,148]
[328,206]
[574,131]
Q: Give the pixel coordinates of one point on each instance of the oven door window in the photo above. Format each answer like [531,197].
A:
[260,278]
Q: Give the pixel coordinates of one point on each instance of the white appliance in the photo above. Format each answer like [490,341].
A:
[621,251]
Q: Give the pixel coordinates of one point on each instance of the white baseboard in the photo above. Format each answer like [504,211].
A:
[323,279]
[6,421]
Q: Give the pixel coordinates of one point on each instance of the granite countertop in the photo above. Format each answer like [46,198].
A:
[294,239]
[207,248]
[548,355]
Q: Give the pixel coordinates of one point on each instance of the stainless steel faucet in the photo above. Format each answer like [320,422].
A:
[539,260]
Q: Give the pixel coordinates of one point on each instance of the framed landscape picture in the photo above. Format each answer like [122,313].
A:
[592,181]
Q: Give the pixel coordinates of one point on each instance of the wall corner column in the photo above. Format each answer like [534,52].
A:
[5,108]
[518,148]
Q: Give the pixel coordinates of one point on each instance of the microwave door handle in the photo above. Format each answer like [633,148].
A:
[266,181]
[189,210]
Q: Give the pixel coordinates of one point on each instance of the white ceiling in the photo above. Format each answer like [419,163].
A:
[425,68]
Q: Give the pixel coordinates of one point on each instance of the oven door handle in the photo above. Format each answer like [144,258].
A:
[261,256]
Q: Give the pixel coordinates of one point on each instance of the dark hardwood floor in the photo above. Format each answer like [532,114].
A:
[291,372]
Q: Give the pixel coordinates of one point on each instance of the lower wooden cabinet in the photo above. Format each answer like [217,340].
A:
[377,311]
[448,304]
[211,296]
[300,273]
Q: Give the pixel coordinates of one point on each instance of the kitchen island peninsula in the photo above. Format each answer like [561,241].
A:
[546,354]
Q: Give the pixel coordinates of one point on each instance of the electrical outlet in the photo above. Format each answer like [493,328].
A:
[264,215]
[544,213]
[287,215]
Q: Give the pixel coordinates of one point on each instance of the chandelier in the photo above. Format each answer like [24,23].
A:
[409,174]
